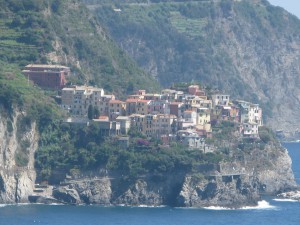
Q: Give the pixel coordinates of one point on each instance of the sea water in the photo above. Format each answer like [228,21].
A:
[269,212]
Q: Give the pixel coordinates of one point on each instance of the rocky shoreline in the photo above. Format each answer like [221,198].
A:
[232,185]
[237,193]
[291,195]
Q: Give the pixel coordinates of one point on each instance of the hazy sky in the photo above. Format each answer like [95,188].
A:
[292,6]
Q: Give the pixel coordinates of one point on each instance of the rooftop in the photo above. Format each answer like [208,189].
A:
[46,66]
[132,100]
[116,102]
[145,101]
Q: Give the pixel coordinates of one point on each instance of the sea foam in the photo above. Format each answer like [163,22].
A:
[261,205]
[285,200]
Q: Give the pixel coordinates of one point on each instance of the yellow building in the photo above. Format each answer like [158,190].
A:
[116,108]
[203,120]
[203,116]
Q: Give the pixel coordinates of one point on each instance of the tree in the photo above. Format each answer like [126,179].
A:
[91,112]
[96,113]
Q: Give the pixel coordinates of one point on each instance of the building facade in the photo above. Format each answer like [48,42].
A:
[47,76]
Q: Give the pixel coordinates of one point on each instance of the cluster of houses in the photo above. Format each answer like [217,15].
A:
[173,115]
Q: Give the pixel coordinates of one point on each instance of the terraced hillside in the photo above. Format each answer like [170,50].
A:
[65,32]
[250,49]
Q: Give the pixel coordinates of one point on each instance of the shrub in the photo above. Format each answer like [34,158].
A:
[266,134]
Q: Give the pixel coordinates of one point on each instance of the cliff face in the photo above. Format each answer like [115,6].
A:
[246,48]
[278,175]
[224,191]
[18,143]
[235,185]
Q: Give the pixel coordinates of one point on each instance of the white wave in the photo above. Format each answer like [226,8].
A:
[217,208]
[54,204]
[261,205]
[14,204]
[150,206]
[285,200]
[23,204]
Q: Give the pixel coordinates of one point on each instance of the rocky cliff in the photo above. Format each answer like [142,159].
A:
[277,176]
[234,185]
[246,48]
[18,142]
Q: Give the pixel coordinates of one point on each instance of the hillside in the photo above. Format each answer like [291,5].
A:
[64,32]
[83,164]
[247,48]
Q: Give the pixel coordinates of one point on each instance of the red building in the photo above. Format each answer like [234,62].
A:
[47,76]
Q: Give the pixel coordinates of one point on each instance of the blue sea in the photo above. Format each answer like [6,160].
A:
[269,212]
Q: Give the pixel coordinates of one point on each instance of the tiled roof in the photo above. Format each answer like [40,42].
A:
[132,100]
[146,101]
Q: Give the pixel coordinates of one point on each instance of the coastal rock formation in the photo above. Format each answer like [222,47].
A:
[140,194]
[85,191]
[265,170]
[231,192]
[18,142]
[293,195]
[224,191]
[276,174]
[233,185]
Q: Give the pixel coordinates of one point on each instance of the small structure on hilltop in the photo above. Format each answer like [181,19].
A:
[47,76]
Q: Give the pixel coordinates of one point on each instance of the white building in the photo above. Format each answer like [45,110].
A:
[77,99]
[220,99]
[250,130]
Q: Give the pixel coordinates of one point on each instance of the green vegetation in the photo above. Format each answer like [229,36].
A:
[86,149]
[179,33]
[30,30]
[93,113]
[266,135]
[24,32]
[17,93]
[63,32]
[203,40]
[33,29]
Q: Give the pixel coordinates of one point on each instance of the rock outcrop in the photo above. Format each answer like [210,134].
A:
[224,191]
[18,142]
[278,175]
[231,192]
[293,195]
[85,191]
[232,185]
